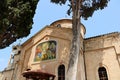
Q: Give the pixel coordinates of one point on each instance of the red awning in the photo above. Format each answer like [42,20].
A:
[38,74]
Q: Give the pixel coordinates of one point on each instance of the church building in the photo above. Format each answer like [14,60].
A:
[45,56]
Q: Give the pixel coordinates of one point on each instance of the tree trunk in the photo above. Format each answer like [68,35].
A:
[75,45]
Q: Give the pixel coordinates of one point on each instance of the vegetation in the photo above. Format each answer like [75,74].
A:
[16,19]
[84,9]
[16,16]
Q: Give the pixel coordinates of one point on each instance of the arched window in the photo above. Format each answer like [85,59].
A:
[102,73]
[61,72]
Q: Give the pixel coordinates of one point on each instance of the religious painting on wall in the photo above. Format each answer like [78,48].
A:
[45,51]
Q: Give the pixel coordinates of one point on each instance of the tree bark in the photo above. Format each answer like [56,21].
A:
[75,45]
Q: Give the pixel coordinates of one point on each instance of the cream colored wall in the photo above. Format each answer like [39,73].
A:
[99,51]
[1,75]
[81,67]
[63,46]
[7,75]
[63,40]
[102,51]
[63,37]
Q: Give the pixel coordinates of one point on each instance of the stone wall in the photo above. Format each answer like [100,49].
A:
[63,36]
[102,51]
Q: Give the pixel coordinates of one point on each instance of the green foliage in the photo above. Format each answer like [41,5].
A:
[59,1]
[16,19]
[16,16]
[87,6]
[94,6]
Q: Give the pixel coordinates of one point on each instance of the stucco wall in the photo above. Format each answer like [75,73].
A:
[7,75]
[102,52]
[63,38]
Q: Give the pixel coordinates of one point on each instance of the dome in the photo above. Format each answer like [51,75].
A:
[67,23]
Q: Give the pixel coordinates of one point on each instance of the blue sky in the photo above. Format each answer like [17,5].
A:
[102,22]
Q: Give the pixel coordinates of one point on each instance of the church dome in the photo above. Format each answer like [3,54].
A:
[67,23]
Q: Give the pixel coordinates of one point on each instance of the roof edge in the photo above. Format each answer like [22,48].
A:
[107,34]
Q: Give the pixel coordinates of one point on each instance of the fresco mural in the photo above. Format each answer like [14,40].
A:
[45,51]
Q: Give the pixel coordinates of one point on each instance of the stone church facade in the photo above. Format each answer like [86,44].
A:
[45,55]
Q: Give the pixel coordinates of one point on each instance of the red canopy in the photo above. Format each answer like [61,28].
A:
[38,74]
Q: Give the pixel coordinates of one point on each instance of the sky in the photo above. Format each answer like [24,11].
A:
[102,22]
